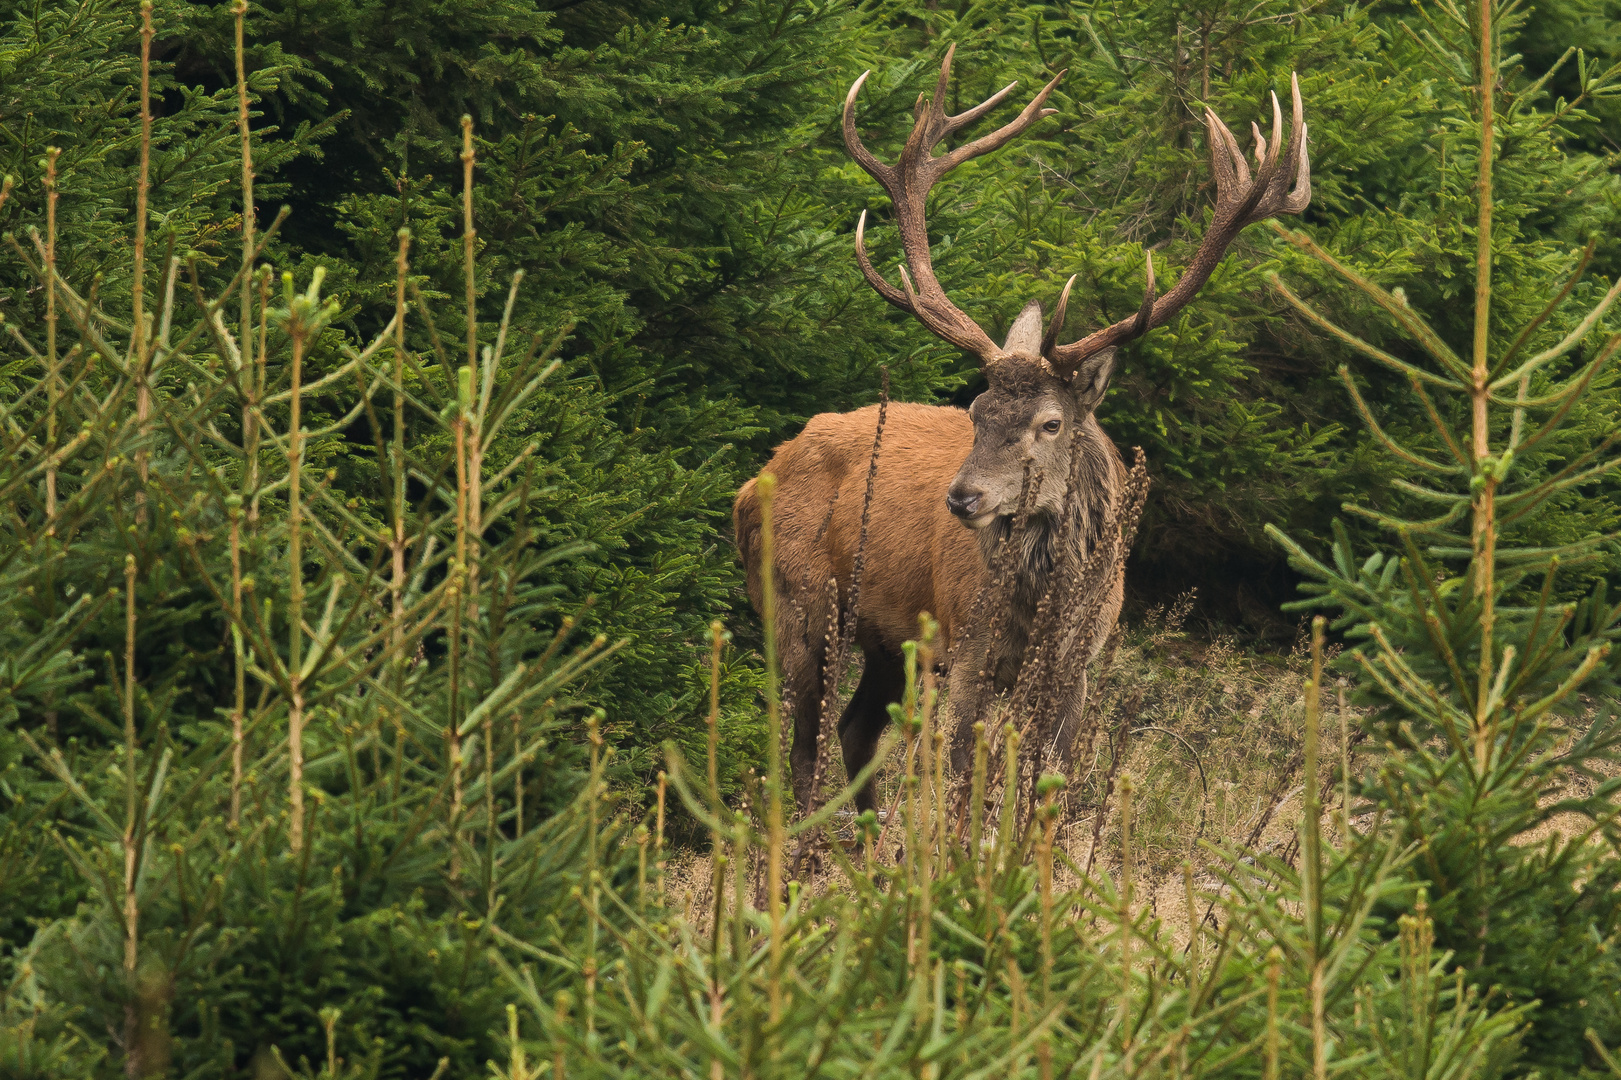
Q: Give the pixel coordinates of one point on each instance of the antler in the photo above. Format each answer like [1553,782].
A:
[1240,201]
[908,183]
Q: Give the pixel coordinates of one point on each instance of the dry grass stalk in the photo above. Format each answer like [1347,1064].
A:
[1117,757]
[842,625]
[397,509]
[239,12]
[990,610]
[1067,625]
[838,638]
[837,646]
[1127,980]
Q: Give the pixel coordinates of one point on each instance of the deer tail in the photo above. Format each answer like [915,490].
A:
[746,528]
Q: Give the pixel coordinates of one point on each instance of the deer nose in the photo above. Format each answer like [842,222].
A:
[966,503]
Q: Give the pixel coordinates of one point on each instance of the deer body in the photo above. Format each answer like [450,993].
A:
[941,469]
[918,558]
[915,549]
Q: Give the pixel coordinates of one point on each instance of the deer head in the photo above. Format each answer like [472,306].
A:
[1040,392]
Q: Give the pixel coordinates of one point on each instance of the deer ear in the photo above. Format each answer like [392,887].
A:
[1091,379]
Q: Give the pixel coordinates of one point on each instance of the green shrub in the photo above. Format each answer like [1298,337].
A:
[305,770]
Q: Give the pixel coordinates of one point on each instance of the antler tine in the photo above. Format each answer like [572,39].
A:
[907,184]
[1227,162]
[911,290]
[1272,192]
[939,99]
[945,125]
[1264,178]
[852,141]
[968,116]
[1150,292]
[931,125]
[1299,161]
[1056,327]
[1002,135]
[1240,201]
[874,278]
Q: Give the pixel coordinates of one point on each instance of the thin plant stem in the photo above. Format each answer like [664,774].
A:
[1195,930]
[396,544]
[1007,845]
[940,826]
[976,806]
[295,606]
[1319,1021]
[53,390]
[252,417]
[1274,966]
[131,845]
[658,833]
[517,777]
[1126,789]
[489,812]
[469,237]
[131,840]
[475,467]
[1311,836]
[1484,526]
[240,11]
[52,370]
[594,794]
[138,343]
[1044,870]
[775,834]
[458,611]
[717,841]
[559,1070]
[1345,766]
[919,799]
[742,839]
[717,641]
[467,381]
[239,701]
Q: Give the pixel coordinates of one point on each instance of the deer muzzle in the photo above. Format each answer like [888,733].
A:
[968,505]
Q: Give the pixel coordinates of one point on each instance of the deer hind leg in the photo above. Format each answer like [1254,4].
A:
[883,681]
[802,638]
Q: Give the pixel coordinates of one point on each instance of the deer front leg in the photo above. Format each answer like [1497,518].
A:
[968,692]
[1072,714]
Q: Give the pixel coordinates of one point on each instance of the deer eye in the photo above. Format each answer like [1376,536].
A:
[1051,427]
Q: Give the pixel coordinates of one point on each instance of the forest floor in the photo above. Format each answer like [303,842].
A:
[1213,735]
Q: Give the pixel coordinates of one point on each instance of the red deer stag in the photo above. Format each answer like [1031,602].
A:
[948,482]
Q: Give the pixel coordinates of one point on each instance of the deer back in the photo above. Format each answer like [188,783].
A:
[916,557]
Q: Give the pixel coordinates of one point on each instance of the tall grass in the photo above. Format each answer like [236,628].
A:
[400,851]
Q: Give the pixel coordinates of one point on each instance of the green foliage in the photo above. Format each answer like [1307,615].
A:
[1496,697]
[71,72]
[334,669]
[1237,404]
[963,965]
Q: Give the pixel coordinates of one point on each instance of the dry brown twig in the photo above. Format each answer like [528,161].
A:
[1059,644]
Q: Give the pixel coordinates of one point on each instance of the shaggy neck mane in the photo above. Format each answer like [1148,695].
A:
[1037,552]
